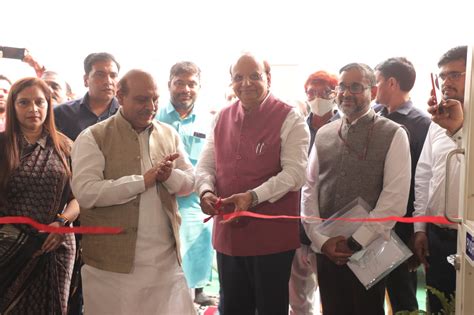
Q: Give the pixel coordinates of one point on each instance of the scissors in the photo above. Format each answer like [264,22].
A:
[218,206]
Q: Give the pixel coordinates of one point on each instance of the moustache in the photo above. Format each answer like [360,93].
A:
[449,87]
[348,98]
[148,112]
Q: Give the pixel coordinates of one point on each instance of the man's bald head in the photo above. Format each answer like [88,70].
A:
[138,95]
[251,80]
[132,76]
[255,57]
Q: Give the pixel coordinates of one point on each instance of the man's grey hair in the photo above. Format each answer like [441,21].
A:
[369,74]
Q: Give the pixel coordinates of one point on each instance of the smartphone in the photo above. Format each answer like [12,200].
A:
[437,92]
[12,52]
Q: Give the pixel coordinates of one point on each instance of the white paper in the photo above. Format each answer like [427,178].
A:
[378,260]
[355,209]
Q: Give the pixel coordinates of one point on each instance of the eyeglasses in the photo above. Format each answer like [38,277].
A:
[453,76]
[326,93]
[253,77]
[354,88]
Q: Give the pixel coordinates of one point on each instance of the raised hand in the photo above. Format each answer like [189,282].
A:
[451,117]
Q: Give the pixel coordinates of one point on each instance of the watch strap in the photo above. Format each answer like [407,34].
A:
[254,202]
[353,244]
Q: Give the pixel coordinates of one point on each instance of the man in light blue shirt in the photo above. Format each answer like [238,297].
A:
[192,125]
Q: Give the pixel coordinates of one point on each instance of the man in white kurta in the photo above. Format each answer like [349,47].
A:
[155,283]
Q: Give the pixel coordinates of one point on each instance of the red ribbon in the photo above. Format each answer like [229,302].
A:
[425,219]
[61,230]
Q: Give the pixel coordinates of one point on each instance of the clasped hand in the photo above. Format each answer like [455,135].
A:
[160,172]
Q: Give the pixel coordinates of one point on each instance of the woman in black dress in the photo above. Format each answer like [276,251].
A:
[34,182]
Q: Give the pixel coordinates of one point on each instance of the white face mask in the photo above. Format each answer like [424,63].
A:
[320,106]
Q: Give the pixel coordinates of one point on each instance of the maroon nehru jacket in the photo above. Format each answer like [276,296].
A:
[247,154]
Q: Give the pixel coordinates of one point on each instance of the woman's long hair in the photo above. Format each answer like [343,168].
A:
[10,157]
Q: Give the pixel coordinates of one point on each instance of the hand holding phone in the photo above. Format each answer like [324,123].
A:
[12,52]
[436,93]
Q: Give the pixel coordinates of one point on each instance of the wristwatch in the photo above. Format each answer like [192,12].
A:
[353,244]
[254,198]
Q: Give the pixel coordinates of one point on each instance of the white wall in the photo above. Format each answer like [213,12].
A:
[307,34]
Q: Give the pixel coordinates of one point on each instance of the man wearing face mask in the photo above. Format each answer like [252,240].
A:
[320,91]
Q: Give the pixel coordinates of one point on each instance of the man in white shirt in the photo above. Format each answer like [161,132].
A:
[362,155]
[434,243]
[127,171]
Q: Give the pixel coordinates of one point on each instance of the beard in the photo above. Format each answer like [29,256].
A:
[451,92]
[354,110]
[186,105]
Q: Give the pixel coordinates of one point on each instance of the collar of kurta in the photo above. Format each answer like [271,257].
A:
[269,99]
[363,119]
[366,117]
[123,123]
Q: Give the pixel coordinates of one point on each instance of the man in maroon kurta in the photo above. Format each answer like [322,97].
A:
[255,160]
